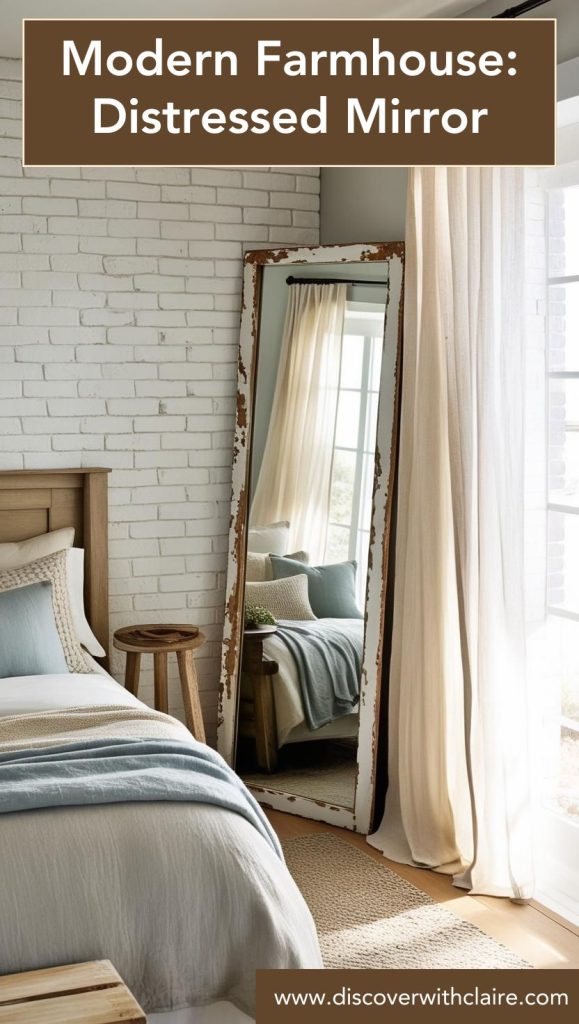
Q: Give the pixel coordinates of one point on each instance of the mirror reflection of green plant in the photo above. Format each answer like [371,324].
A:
[257,615]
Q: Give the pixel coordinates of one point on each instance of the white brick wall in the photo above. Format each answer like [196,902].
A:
[119,313]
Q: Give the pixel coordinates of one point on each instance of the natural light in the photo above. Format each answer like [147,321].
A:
[354,442]
[557,671]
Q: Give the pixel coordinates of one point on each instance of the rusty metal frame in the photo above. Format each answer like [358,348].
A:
[360,817]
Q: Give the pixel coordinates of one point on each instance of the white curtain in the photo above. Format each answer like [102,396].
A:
[458,797]
[295,474]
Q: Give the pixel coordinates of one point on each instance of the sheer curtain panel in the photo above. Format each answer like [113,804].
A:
[458,766]
[295,475]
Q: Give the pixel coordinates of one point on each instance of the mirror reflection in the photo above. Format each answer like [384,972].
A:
[317,392]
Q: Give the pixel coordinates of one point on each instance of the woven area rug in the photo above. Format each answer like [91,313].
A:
[320,771]
[367,916]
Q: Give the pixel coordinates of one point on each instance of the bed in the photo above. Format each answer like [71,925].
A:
[291,725]
[187,899]
[272,709]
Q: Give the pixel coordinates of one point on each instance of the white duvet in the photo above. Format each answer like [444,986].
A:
[186,900]
[289,709]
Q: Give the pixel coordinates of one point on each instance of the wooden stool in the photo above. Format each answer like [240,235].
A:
[160,641]
[70,995]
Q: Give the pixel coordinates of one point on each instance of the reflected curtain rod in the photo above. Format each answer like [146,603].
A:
[333,280]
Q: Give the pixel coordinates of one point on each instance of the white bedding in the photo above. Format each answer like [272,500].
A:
[289,709]
[186,900]
[26,694]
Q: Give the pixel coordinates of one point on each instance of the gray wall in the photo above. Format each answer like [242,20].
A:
[363,204]
[368,204]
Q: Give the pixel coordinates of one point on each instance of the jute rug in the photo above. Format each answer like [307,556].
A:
[335,785]
[320,771]
[367,916]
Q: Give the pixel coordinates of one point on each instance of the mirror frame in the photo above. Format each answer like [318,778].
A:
[360,817]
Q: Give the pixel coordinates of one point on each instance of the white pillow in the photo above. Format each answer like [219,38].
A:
[283,601]
[258,567]
[269,540]
[14,555]
[75,581]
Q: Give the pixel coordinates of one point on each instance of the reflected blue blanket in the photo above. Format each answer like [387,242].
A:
[328,657]
[110,771]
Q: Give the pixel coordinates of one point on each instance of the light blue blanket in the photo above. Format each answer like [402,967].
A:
[109,771]
[328,656]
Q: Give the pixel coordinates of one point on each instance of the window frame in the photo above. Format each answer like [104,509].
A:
[359,316]
[552,281]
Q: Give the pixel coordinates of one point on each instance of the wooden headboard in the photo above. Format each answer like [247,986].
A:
[34,501]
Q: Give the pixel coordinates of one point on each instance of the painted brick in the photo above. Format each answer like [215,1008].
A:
[133,191]
[118,323]
[48,316]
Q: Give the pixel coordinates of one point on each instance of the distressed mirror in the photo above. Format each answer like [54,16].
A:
[311,506]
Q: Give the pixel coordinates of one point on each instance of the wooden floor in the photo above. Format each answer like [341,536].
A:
[535,934]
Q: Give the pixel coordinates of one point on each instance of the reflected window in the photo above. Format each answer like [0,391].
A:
[355,439]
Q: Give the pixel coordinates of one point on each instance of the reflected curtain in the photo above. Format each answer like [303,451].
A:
[458,797]
[295,474]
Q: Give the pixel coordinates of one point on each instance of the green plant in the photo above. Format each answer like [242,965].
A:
[257,615]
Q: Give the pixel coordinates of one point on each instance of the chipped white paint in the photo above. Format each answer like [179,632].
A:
[370,692]
[232,630]
[359,818]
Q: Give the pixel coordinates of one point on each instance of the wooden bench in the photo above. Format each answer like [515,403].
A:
[91,993]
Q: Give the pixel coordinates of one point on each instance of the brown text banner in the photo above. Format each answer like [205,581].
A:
[280,93]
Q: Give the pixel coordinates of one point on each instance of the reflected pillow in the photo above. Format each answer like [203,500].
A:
[266,539]
[29,640]
[51,569]
[285,599]
[331,588]
[258,566]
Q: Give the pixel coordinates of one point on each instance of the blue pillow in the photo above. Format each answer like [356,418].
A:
[29,640]
[331,588]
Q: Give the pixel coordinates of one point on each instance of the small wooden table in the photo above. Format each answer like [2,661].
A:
[260,671]
[91,993]
[160,641]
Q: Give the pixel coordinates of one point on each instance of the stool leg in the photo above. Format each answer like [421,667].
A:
[190,691]
[132,671]
[161,699]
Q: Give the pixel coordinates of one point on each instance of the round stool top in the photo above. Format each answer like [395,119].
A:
[158,638]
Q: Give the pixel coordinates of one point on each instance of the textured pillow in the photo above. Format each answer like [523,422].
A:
[29,640]
[258,566]
[264,539]
[331,588]
[75,578]
[12,556]
[285,599]
[51,569]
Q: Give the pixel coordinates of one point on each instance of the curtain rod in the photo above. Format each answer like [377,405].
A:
[522,8]
[333,280]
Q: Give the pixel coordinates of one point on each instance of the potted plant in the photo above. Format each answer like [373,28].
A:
[258,617]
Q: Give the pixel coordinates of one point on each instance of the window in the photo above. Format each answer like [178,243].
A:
[553,549]
[563,483]
[352,479]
